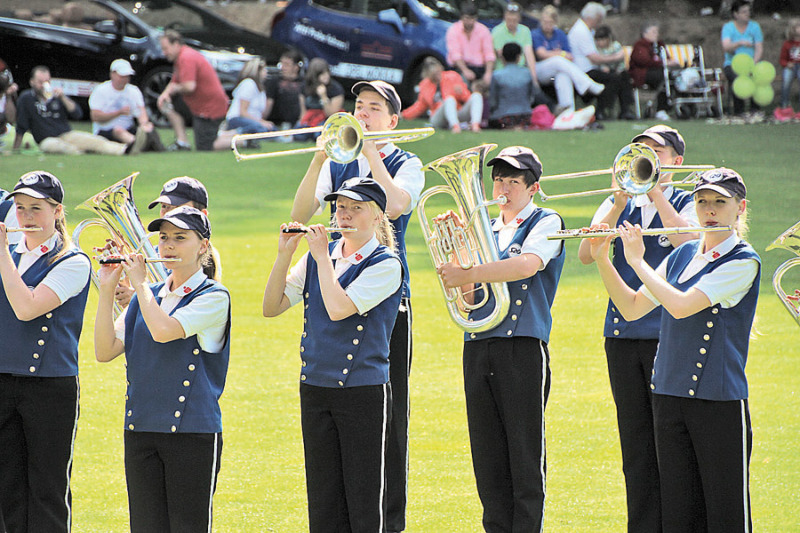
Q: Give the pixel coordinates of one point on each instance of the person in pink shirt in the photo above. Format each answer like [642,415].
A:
[196,81]
[446,98]
[470,50]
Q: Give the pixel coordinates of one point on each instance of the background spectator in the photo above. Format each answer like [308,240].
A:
[588,59]
[444,95]
[285,105]
[194,79]
[45,112]
[512,92]
[324,96]
[790,62]
[740,36]
[246,113]
[469,46]
[511,31]
[555,65]
[608,46]
[647,67]
[8,98]
[115,107]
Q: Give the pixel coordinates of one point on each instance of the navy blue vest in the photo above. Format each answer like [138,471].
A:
[5,206]
[531,297]
[656,248]
[393,162]
[173,386]
[352,352]
[704,355]
[46,346]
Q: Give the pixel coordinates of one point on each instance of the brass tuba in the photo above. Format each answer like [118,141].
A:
[470,245]
[119,216]
[788,240]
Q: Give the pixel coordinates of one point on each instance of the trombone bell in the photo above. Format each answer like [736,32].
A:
[788,240]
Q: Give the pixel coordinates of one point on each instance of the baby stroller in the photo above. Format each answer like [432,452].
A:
[694,90]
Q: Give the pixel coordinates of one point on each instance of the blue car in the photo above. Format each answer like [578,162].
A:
[377,39]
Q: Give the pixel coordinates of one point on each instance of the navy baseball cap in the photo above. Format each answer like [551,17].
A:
[39,184]
[384,89]
[361,190]
[665,136]
[179,191]
[723,180]
[185,217]
[521,158]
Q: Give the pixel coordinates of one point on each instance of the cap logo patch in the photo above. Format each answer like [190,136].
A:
[30,179]
[170,185]
[713,177]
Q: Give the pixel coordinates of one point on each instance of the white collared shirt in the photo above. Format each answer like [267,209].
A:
[649,211]
[67,279]
[536,241]
[409,177]
[206,316]
[726,285]
[375,283]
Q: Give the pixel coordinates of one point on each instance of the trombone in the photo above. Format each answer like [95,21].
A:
[342,136]
[636,170]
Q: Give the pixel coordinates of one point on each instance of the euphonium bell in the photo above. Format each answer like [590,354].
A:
[470,245]
[788,240]
[119,217]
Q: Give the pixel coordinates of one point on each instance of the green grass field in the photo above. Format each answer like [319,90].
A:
[261,485]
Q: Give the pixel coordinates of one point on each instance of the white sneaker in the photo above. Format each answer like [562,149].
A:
[596,88]
[662,115]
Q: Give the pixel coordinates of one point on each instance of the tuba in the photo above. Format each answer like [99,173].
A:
[119,216]
[469,245]
[788,240]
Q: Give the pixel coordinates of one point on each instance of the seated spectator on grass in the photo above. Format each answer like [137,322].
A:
[45,112]
[445,97]
[285,101]
[324,96]
[8,98]
[608,46]
[246,113]
[555,66]
[116,106]
[590,60]
[512,92]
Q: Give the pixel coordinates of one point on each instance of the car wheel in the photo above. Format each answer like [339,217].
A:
[408,91]
[152,86]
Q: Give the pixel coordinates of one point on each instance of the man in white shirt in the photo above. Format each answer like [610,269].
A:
[115,108]
[588,59]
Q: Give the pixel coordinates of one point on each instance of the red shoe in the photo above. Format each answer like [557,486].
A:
[784,114]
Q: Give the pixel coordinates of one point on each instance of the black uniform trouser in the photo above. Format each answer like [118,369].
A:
[171,480]
[344,440]
[507,383]
[397,444]
[704,451]
[38,421]
[630,366]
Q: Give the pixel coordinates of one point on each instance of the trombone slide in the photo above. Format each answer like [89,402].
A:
[583,233]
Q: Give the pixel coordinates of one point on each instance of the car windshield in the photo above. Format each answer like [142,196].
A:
[165,15]
[448,10]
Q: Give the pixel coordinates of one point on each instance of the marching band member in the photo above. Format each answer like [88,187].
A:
[45,283]
[351,289]
[708,290]
[176,339]
[506,369]
[631,345]
[400,173]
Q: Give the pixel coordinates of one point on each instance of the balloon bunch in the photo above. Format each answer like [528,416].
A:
[753,80]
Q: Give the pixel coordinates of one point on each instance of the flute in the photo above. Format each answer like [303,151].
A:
[117,260]
[304,229]
[568,234]
[14,230]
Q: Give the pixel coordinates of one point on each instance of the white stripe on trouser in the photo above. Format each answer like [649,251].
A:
[408,387]
[543,453]
[745,499]
[72,453]
[213,479]
[383,454]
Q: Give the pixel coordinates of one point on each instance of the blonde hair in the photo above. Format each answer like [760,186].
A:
[551,11]
[61,229]
[251,71]
[741,225]
[385,230]
[211,263]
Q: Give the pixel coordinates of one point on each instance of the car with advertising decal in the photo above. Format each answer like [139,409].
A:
[377,39]
[79,40]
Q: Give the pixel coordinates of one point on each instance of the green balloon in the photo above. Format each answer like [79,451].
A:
[763,95]
[743,87]
[742,64]
[763,73]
